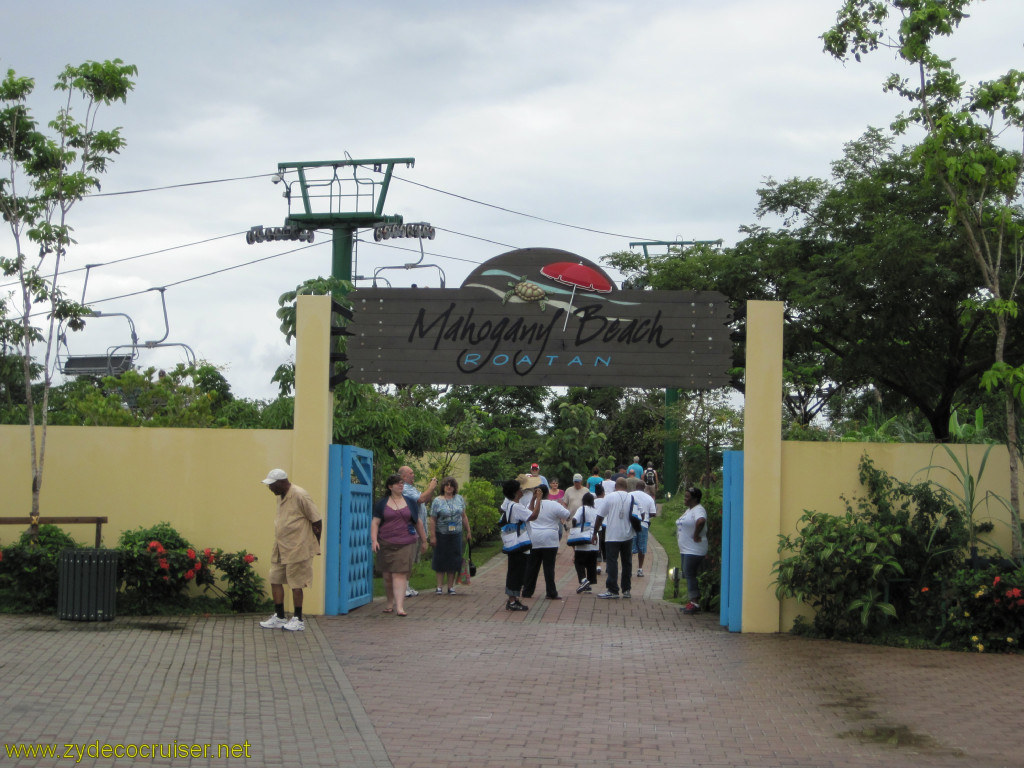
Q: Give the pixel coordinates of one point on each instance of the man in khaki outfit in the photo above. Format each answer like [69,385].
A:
[297,528]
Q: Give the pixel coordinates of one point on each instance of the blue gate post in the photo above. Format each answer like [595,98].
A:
[731,604]
[332,535]
[349,566]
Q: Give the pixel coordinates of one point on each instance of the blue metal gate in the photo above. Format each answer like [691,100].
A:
[731,611]
[349,564]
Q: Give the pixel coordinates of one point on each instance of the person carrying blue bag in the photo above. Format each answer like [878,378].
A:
[584,557]
[515,537]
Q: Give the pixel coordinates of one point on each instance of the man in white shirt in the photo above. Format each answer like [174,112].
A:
[645,508]
[618,540]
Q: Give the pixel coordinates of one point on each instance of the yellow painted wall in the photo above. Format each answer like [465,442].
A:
[815,475]
[762,458]
[205,482]
[782,479]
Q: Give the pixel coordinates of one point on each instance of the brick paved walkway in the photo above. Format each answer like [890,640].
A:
[462,682]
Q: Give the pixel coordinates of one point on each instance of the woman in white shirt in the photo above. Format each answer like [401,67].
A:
[692,537]
[544,535]
[585,555]
[516,513]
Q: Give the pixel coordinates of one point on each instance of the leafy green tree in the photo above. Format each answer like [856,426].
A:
[878,286]
[631,419]
[968,131]
[187,396]
[46,173]
[574,444]
[707,425]
[388,423]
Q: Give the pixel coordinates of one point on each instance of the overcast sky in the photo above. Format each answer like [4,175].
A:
[645,120]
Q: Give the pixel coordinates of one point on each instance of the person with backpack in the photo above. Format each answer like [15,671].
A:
[650,478]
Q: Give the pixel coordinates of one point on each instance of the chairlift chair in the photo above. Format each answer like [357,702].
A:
[110,363]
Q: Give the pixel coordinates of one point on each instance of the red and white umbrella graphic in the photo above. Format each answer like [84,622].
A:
[578,276]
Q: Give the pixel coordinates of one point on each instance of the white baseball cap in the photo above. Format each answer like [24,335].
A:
[274,475]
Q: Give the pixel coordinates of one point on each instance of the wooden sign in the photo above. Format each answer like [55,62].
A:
[540,317]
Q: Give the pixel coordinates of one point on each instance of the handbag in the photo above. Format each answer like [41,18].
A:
[634,520]
[582,533]
[468,569]
[515,537]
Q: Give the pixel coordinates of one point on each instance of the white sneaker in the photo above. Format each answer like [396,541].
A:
[437,591]
[583,585]
[451,590]
[609,595]
[274,622]
[626,594]
[294,625]
[640,573]
[410,592]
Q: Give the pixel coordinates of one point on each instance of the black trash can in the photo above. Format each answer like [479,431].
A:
[87,584]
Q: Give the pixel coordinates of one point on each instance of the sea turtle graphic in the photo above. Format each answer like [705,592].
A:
[526,291]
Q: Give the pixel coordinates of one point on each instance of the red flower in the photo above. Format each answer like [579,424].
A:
[198,566]
[164,564]
[995,581]
[1020,602]
[207,551]
[249,558]
[1,555]
[210,559]
[189,575]
[167,578]
[191,554]
[1015,592]
[924,589]
[154,545]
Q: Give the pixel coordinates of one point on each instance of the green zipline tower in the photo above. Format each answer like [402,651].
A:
[670,473]
[331,194]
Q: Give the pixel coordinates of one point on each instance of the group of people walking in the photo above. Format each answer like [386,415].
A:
[608,520]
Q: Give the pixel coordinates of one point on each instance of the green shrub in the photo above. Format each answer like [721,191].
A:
[482,500]
[839,565]
[987,611]
[157,567]
[887,558]
[246,592]
[29,569]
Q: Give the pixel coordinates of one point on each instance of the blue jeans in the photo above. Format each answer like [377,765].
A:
[691,567]
[615,551]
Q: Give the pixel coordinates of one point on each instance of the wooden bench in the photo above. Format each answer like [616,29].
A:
[35,522]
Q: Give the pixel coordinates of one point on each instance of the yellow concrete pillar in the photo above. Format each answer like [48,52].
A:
[313,419]
[762,465]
